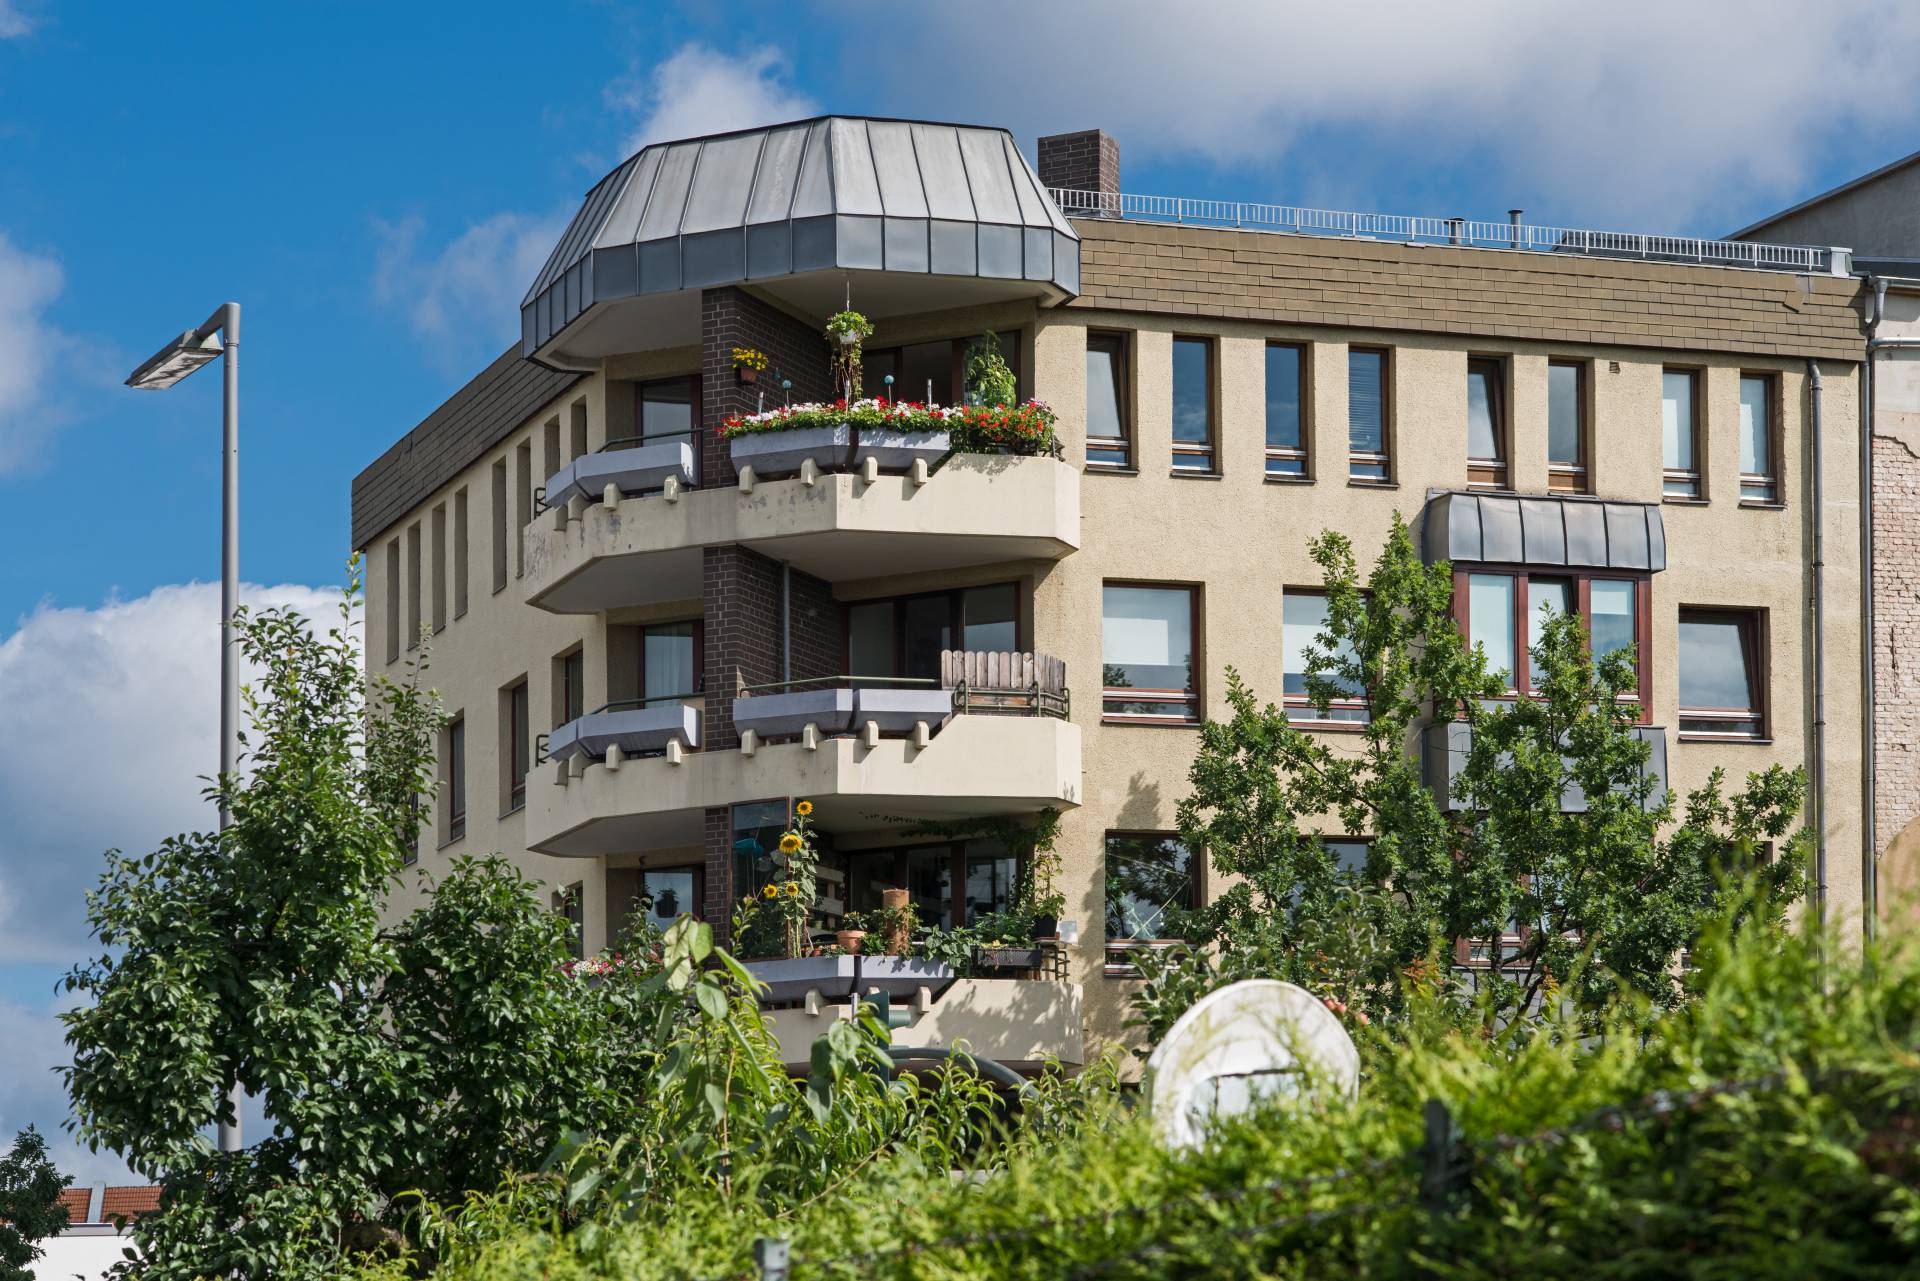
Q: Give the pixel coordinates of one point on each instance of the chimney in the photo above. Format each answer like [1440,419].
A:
[1088,161]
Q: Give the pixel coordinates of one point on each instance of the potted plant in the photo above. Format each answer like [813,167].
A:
[853,928]
[1040,898]
[748,362]
[894,922]
[846,331]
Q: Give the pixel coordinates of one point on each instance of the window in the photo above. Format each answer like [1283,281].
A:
[572,905]
[667,661]
[1149,885]
[1303,616]
[439,553]
[757,828]
[459,552]
[1349,857]
[576,430]
[551,459]
[666,894]
[453,781]
[1286,412]
[1486,424]
[522,503]
[1722,674]
[500,525]
[1505,612]
[1758,481]
[903,636]
[393,601]
[1567,426]
[1109,434]
[413,585]
[930,372]
[1193,405]
[664,409]
[1368,458]
[1147,653]
[570,686]
[1680,432]
[516,744]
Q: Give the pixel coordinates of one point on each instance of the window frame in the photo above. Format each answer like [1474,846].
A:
[1195,701]
[1383,458]
[647,696]
[1298,708]
[1696,476]
[956,620]
[1123,444]
[1574,477]
[1770,481]
[454,778]
[1492,473]
[1196,897]
[1011,342]
[1208,451]
[698,872]
[1521,678]
[695,433]
[1756,641]
[516,699]
[1303,453]
[570,903]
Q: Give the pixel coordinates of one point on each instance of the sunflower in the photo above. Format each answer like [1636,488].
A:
[771,891]
[804,808]
[793,889]
[790,844]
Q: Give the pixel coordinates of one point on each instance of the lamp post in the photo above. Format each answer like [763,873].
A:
[160,371]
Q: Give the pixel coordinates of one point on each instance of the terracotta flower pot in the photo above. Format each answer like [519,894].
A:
[849,941]
[898,938]
[748,374]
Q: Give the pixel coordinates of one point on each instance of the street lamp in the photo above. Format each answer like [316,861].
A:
[162,370]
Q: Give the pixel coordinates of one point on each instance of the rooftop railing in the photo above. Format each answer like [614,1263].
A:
[1408,229]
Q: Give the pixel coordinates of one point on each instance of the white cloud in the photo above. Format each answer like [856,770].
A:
[13,23]
[111,722]
[462,299]
[30,347]
[701,91]
[1654,110]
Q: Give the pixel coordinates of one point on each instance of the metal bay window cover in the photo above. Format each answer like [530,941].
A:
[815,197]
[1567,532]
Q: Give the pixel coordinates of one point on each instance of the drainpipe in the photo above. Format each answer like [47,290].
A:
[786,621]
[1819,649]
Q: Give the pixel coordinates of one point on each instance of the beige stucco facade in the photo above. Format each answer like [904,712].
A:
[1237,536]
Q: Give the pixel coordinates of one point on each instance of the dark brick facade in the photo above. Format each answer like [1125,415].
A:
[1084,161]
[717,885]
[731,318]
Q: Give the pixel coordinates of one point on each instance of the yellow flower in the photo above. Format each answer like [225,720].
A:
[771,891]
[804,808]
[793,889]
[790,844]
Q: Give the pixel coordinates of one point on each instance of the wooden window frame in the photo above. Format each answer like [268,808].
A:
[695,432]
[1770,483]
[699,660]
[1195,701]
[1696,477]
[1521,683]
[1756,640]
[454,768]
[1207,452]
[1299,709]
[956,619]
[1196,897]
[1383,457]
[1122,444]
[518,741]
[1574,477]
[1493,473]
[1303,453]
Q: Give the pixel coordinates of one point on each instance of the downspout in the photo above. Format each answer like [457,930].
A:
[1819,649]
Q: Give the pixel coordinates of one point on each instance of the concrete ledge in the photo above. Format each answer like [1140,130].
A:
[1019,1022]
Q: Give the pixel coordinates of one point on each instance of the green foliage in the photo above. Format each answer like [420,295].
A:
[30,1209]
[1770,1127]
[1604,897]
[844,356]
[989,379]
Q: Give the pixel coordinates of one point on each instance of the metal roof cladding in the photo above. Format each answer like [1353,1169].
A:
[827,194]
[1567,530]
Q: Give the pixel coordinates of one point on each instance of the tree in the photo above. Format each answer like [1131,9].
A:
[1603,895]
[30,1208]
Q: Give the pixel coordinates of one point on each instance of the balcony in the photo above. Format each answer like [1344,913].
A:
[1019,1023]
[585,555]
[921,753]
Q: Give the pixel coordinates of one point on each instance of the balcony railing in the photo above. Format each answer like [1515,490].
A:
[1411,229]
[630,464]
[972,682]
[635,725]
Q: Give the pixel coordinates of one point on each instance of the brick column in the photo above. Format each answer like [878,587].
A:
[730,318]
[717,891]
[1085,161]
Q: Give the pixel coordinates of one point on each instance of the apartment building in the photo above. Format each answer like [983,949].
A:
[1661,434]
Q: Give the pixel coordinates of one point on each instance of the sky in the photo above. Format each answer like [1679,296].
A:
[377,184]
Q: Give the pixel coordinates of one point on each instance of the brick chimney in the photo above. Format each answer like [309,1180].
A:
[1084,161]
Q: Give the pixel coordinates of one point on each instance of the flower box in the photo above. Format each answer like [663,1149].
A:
[777,452]
[636,729]
[634,471]
[897,450]
[896,711]
[788,981]
[1008,958]
[778,715]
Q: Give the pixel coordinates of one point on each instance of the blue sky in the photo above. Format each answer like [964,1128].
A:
[377,183]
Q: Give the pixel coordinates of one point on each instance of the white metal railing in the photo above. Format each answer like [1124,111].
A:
[1450,231]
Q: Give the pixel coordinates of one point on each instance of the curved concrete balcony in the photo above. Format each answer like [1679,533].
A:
[1021,1023]
[977,509]
[973,767]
